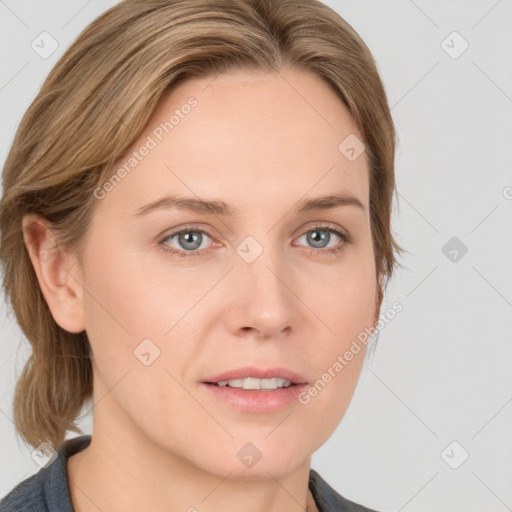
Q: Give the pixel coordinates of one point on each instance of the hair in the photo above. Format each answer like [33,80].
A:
[97,100]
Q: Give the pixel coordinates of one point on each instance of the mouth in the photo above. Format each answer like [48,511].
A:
[253,378]
[254,389]
[253,383]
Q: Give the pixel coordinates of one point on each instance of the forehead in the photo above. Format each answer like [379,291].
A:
[249,135]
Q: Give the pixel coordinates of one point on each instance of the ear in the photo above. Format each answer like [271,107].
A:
[58,273]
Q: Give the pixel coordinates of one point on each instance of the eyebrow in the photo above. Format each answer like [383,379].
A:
[197,205]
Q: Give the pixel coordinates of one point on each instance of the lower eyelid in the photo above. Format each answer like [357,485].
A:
[345,238]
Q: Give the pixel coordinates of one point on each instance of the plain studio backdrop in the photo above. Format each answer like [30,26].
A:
[430,425]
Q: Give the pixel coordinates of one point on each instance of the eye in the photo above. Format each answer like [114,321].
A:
[320,236]
[189,240]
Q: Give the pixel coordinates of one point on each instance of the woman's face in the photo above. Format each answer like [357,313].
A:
[267,286]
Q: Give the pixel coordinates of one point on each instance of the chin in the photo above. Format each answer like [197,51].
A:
[244,464]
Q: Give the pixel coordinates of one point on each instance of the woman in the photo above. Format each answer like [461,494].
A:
[195,233]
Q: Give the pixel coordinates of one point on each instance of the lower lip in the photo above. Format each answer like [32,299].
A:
[252,400]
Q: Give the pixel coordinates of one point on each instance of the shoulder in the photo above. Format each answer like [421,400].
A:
[328,500]
[47,490]
[28,495]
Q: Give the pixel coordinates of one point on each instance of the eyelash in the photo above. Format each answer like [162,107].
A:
[345,237]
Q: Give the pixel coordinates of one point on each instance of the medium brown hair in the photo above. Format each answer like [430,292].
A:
[97,100]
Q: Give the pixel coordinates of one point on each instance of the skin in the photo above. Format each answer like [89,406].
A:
[259,145]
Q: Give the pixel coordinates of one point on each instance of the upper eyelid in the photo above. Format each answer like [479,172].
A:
[302,231]
[323,225]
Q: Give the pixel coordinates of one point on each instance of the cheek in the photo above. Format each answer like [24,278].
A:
[142,322]
[346,307]
[127,321]
[128,300]
[344,300]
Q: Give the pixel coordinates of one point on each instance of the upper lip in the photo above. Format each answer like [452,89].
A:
[258,373]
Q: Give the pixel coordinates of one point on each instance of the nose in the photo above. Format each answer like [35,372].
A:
[263,301]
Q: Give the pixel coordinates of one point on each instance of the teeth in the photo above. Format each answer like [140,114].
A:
[252,383]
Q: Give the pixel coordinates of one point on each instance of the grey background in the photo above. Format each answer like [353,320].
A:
[442,368]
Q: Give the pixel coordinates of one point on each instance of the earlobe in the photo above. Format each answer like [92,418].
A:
[57,272]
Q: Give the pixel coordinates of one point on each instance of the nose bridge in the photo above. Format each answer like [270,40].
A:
[261,275]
